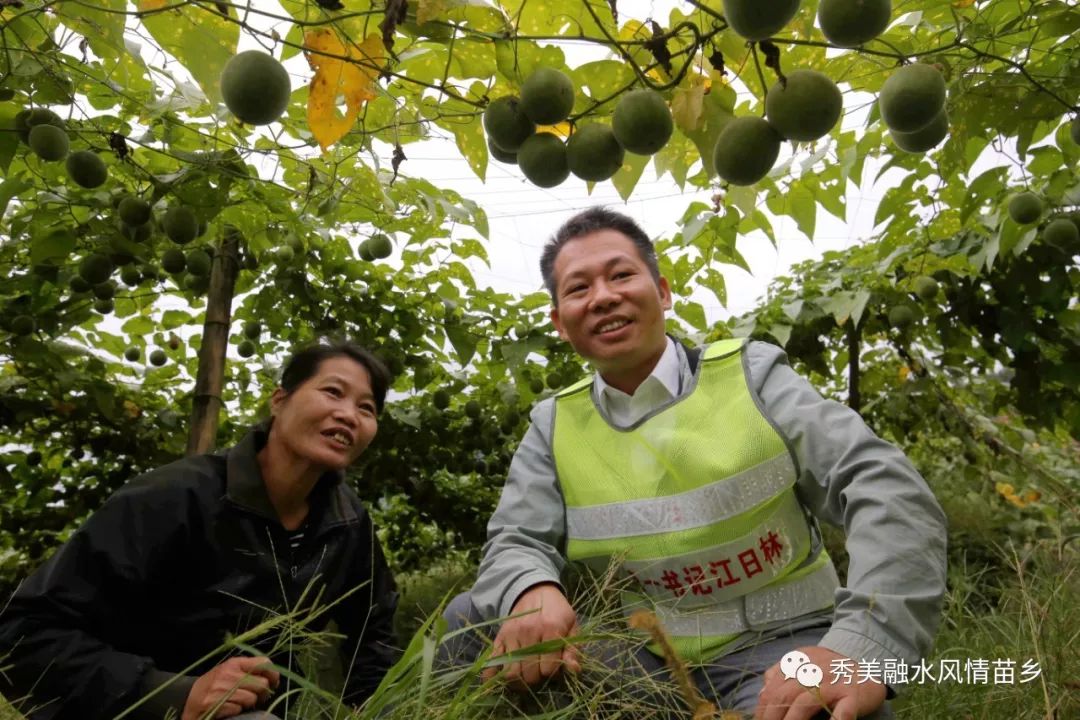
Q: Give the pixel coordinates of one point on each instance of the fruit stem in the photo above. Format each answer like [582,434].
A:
[761,76]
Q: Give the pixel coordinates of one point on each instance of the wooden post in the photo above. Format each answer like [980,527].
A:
[210,380]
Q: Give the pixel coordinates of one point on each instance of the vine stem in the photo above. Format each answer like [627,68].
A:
[1023,71]
[760,74]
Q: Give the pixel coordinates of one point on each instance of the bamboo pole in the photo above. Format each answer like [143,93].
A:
[210,380]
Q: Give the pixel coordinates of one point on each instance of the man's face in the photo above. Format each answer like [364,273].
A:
[608,307]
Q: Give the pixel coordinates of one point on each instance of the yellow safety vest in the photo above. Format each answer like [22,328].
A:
[696,503]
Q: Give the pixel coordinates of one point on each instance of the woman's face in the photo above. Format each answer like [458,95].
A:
[330,418]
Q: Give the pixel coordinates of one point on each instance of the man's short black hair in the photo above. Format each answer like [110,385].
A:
[305,363]
[585,223]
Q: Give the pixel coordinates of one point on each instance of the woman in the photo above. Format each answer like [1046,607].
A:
[209,546]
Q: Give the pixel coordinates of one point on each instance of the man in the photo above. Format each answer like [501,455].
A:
[704,471]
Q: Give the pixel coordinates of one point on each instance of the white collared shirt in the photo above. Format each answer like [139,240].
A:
[660,387]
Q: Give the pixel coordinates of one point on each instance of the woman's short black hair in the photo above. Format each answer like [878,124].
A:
[306,362]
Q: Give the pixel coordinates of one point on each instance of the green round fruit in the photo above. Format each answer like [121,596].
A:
[87,169]
[173,261]
[49,142]
[252,330]
[472,409]
[506,123]
[131,276]
[95,268]
[22,325]
[1062,233]
[912,97]
[180,224]
[923,139]
[380,246]
[197,284]
[132,354]
[521,330]
[137,233]
[158,357]
[149,272]
[285,255]
[542,159]
[26,120]
[1025,208]
[104,305]
[901,316]
[1074,130]
[554,380]
[503,156]
[536,386]
[255,87]
[105,290]
[364,251]
[850,23]
[547,96]
[293,240]
[593,153]
[440,399]
[746,150]
[759,19]
[79,285]
[245,349]
[642,122]
[198,262]
[133,211]
[805,108]
[925,287]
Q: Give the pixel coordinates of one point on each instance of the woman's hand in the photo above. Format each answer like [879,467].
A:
[242,682]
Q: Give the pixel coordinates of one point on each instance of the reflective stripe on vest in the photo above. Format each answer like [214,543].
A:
[715,501]
[810,589]
[697,503]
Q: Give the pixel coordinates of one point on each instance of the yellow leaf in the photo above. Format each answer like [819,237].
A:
[963,3]
[132,410]
[1032,496]
[632,30]
[687,104]
[562,129]
[352,80]
[430,10]
[1004,489]
[1016,500]
[151,5]
[904,372]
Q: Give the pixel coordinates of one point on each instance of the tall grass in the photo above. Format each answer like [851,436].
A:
[1031,612]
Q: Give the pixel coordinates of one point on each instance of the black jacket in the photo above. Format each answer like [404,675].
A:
[173,563]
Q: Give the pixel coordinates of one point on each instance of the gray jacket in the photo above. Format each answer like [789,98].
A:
[847,476]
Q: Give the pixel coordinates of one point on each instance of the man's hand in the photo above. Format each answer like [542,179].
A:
[242,681]
[784,699]
[554,618]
